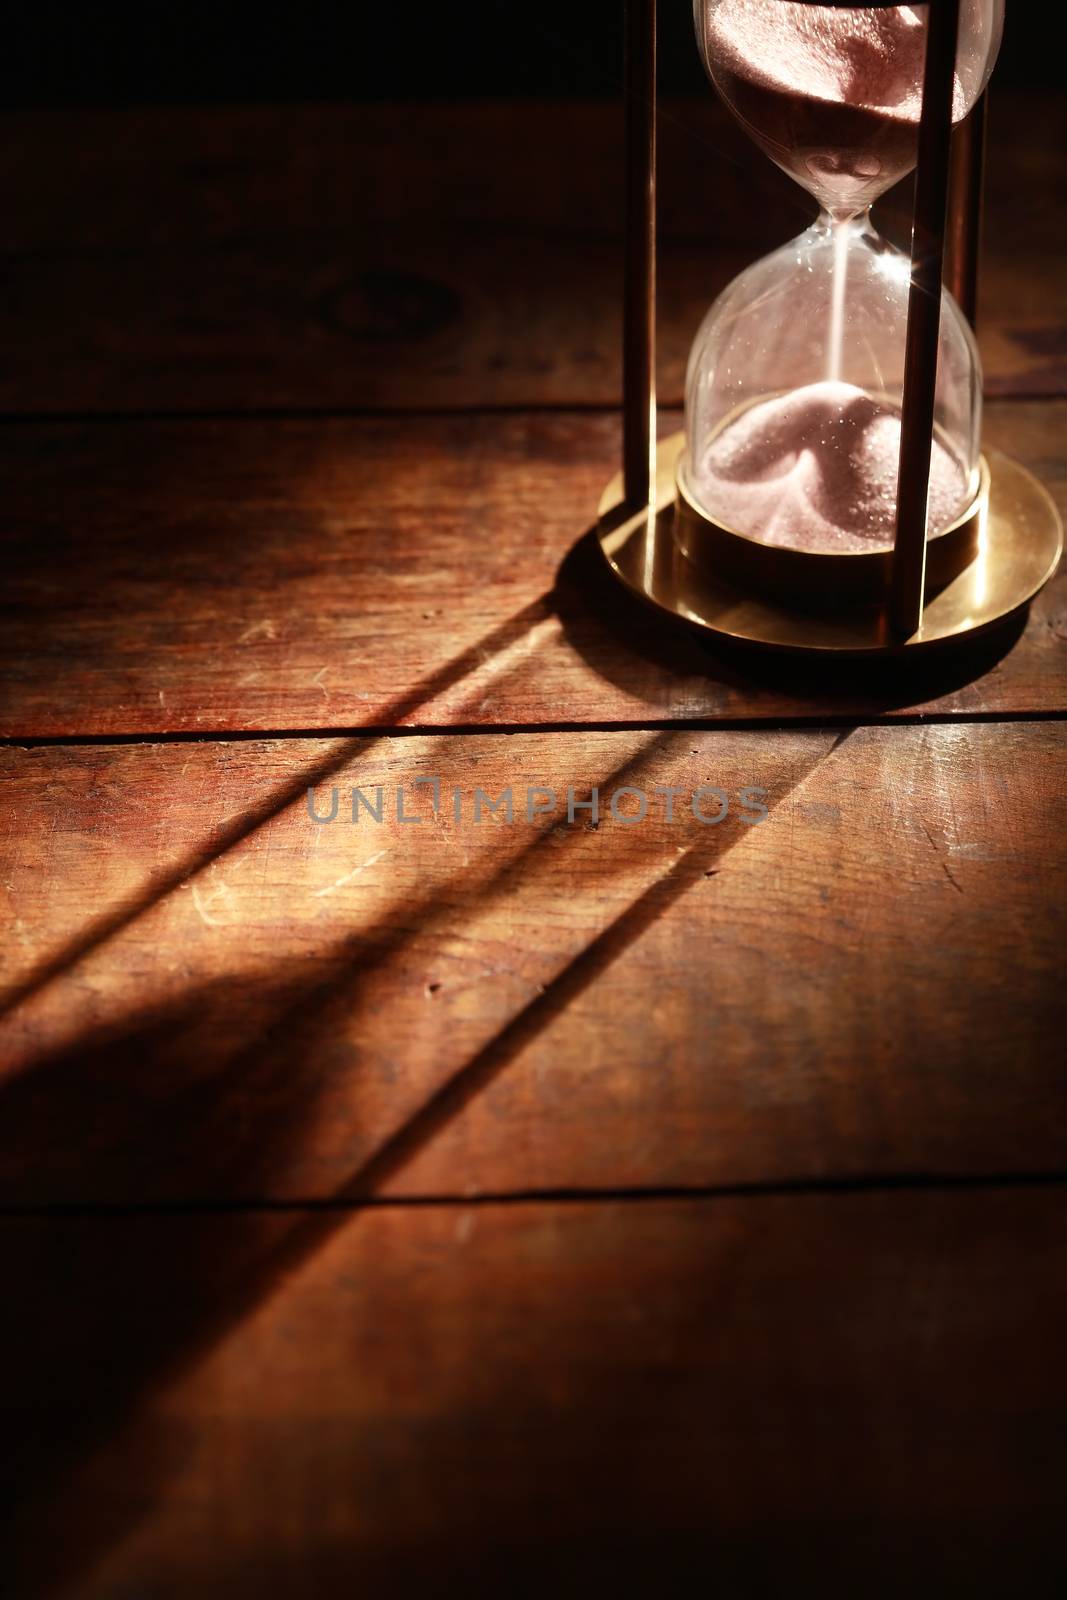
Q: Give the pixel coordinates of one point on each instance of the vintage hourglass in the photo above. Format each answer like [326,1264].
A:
[830,490]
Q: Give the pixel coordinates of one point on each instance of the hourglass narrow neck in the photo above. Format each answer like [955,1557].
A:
[855,222]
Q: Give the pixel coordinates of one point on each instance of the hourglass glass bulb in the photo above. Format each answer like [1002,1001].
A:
[833,94]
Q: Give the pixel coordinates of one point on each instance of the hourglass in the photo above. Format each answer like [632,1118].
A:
[829,491]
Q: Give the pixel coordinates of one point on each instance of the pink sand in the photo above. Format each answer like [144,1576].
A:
[868,59]
[817,470]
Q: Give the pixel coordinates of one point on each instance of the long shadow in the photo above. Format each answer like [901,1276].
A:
[111,1309]
[84,1351]
[211,1093]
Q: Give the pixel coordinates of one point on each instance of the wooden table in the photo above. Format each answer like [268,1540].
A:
[546,1208]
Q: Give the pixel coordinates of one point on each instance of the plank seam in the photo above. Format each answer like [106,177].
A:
[871,1183]
[437,730]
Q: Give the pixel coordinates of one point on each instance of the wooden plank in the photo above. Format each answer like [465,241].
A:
[209,576]
[840,1395]
[210,996]
[340,257]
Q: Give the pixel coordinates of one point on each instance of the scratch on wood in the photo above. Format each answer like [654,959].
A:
[948,874]
[331,887]
[205,915]
[258,630]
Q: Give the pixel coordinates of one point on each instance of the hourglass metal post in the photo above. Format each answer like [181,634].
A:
[908,571]
[639,296]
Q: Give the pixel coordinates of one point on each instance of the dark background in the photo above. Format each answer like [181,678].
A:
[57,53]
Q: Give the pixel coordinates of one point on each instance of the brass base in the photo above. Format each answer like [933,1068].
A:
[1018,550]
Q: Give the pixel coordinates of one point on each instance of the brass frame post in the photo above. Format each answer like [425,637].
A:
[907,576]
[639,296]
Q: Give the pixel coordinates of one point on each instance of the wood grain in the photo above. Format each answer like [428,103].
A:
[833,1395]
[353,257]
[211,997]
[207,576]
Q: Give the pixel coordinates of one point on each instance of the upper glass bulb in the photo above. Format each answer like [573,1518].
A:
[833,94]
